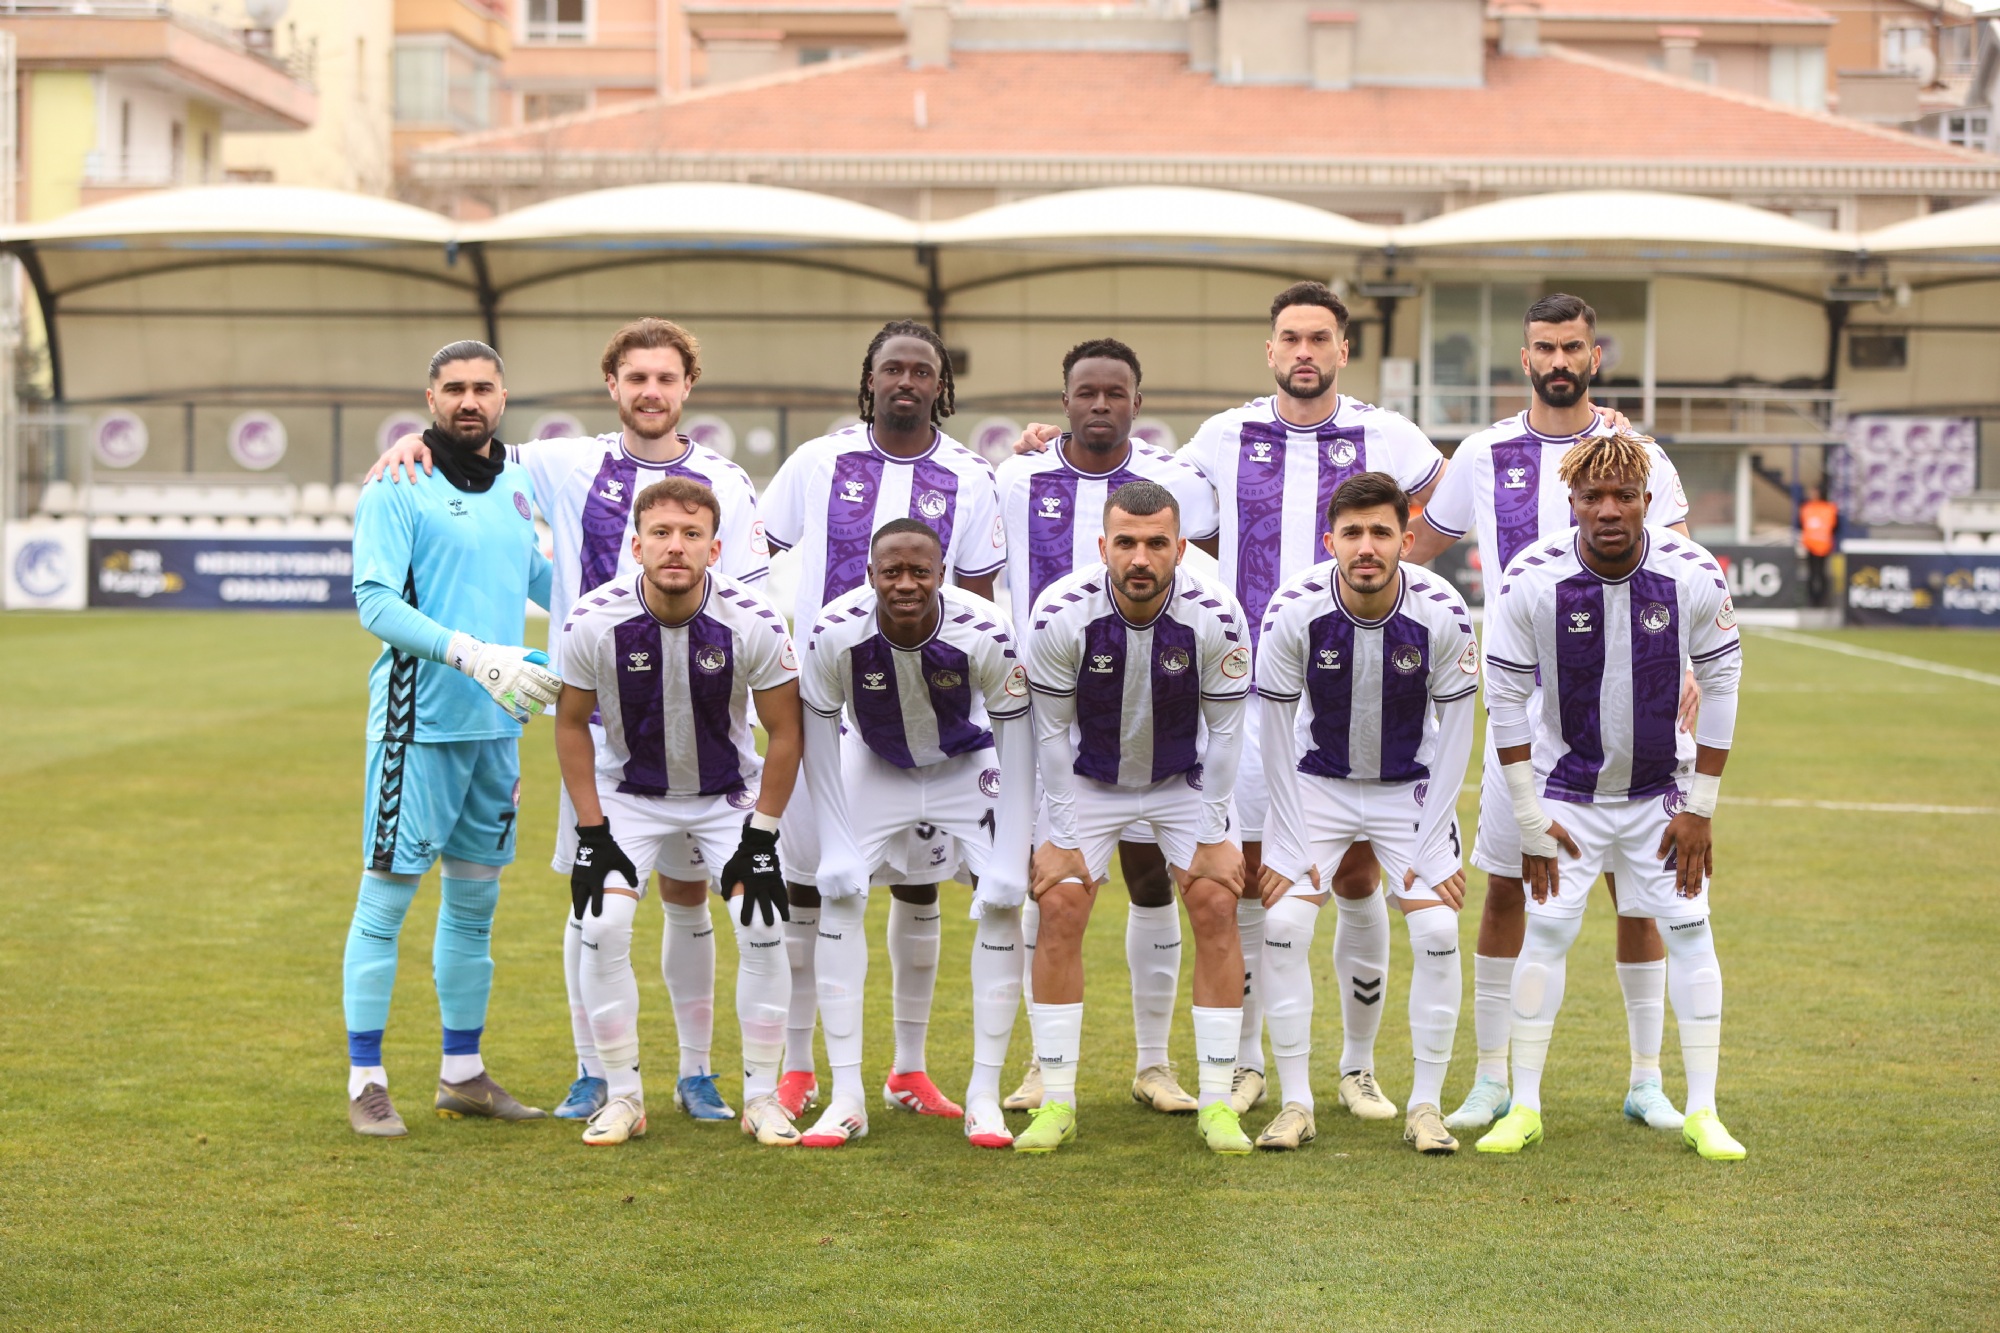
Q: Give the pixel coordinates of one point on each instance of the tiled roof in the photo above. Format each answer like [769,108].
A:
[1683,11]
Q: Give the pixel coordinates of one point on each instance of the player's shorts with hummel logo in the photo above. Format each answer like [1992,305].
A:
[428,799]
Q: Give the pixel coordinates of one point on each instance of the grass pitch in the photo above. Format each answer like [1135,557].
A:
[179,848]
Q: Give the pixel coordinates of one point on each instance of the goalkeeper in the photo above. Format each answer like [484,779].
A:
[443,572]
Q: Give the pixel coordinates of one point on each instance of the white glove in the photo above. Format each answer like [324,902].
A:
[837,881]
[1528,812]
[998,893]
[518,678]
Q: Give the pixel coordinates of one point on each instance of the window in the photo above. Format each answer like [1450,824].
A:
[441,82]
[1968,129]
[547,106]
[1908,48]
[1798,76]
[556,21]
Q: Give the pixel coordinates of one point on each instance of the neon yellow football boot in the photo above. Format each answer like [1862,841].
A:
[1518,1129]
[1053,1125]
[1704,1133]
[1221,1129]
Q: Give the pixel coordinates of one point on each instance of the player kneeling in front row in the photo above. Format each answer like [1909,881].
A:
[920,670]
[669,661]
[1610,615]
[1384,660]
[1128,658]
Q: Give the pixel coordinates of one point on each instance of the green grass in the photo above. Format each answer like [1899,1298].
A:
[179,847]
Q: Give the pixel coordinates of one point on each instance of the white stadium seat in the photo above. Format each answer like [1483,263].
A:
[315,498]
[204,523]
[270,523]
[59,497]
[345,497]
[170,524]
[235,523]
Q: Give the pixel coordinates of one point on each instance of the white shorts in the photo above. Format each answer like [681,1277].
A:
[682,837]
[934,852]
[1171,808]
[1621,838]
[1253,798]
[1340,812]
[886,804]
[685,861]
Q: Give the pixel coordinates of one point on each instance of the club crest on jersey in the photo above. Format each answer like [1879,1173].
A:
[1655,618]
[1517,479]
[1340,452]
[614,490]
[1407,658]
[947,680]
[638,661]
[1579,622]
[1051,507]
[932,504]
[1260,451]
[1173,661]
[711,659]
[742,798]
[874,680]
[854,492]
[1101,663]
[1421,790]
[1194,777]
[1329,659]
[521,506]
[989,782]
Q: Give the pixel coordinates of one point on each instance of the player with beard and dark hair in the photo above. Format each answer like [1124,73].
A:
[1504,484]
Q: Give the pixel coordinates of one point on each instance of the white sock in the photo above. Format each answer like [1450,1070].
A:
[1540,974]
[996,995]
[915,932]
[1058,1031]
[1153,953]
[587,1063]
[458,1068]
[360,1076]
[1215,1033]
[763,992]
[841,962]
[1361,968]
[1645,989]
[611,992]
[1492,1014]
[1286,978]
[1250,927]
[687,962]
[801,944]
[1694,980]
[1436,981]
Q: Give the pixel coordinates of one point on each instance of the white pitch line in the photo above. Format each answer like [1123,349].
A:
[1894,659]
[1868,807]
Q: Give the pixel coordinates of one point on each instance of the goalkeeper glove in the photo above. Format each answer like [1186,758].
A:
[518,679]
[598,858]
[755,867]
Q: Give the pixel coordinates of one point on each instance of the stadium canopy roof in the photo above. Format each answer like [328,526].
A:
[1620,224]
[1969,233]
[1171,219]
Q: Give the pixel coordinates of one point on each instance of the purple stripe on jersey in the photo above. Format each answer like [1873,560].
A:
[1579,631]
[934,498]
[607,516]
[850,520]
[1330,684]
[951,700]
[1343,453]
[1517,496]
[711,669]
[1100,698]
[1051,528]
[878,704]
[1656,682]
[641,706]
[1260,515]
[1176,698]
[1405,698]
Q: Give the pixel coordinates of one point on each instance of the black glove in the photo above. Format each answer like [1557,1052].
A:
[597,859]
[755,867]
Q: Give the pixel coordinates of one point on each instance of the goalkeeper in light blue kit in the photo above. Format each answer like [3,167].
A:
[443,572]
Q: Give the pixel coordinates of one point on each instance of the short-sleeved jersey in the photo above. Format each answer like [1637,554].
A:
[585,488]
[1503,484]
[915,706]
[1274,481]
[1053,512]
[1367,686]
[1611,655]
[833,493]
[1138,688]
[674,698]
[466,559]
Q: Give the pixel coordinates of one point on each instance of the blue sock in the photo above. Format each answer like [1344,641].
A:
[369,970]
[462,961]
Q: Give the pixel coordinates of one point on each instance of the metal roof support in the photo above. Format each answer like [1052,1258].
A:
[45,298]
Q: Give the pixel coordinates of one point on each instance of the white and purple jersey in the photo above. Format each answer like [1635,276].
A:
[1610,655]
[1053,512]
[1138,688]
[1275,481]
[1503,483]
[1367,686]
[585,488]
[834,492]
[675,698]
[915,706]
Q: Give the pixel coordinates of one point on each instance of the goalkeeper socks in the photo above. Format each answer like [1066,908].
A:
[1288,991]
[1694,980]
[462,958]
[801,941]
[611,992]
[1153,953]
[1436,982]
[842,964]
[368,972]
[915,930]
[1539,977]
[1645,989]
[1058,1031]
[763,992]
[687,962]
[1250,928]
[996,996]
[1492,1014]
[1361,970]
[587,1063]
[1215,1034]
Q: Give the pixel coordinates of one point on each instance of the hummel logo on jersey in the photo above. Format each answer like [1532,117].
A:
[1101,663]
[1051,506]
[1329,659]
[874,680]
[1260,451]
[639,661]
[1579,622]
[614,491]
[1517,479]
[854,492]
[458,508]
[1340,453]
